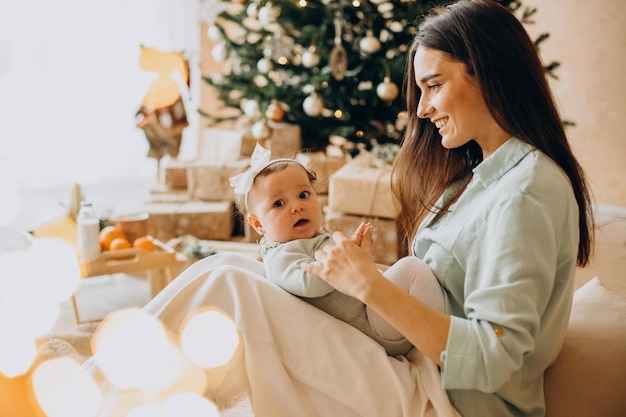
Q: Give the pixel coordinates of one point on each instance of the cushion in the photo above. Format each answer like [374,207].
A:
[589,376]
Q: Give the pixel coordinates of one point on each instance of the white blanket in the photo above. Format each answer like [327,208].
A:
[297,360]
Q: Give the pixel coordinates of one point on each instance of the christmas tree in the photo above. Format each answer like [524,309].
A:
[333,67]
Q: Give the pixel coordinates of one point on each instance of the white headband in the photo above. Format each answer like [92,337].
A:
[261,159]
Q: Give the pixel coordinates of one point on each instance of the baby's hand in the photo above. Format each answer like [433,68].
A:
[362,236]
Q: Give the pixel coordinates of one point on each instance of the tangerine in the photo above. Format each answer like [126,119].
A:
[108,234]
[144,243]
[119,243]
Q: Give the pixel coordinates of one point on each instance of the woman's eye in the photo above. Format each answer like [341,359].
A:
[433,87]
[279,203]
[304,194]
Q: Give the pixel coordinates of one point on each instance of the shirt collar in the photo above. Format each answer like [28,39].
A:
[502,160]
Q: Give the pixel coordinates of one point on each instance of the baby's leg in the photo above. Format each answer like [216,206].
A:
[415,277]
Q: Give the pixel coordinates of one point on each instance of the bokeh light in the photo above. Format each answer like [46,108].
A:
[193,378]
[133,350]
[147,411]
[32,284]
[209,338]
[65,389]
[189,405]
[17,352]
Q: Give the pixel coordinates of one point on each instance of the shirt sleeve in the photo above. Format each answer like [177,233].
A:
[509,277]
[282,266]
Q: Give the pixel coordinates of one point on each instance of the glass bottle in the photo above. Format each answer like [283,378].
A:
[88,227]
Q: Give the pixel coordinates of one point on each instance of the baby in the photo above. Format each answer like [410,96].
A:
[278,199]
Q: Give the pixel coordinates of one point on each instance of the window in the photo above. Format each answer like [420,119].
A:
[70,85]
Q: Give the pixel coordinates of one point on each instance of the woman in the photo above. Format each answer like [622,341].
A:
[504,218]
[504,210]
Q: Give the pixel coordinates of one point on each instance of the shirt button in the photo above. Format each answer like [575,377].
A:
[499,331]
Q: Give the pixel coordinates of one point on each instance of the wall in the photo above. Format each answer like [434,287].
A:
[588,38]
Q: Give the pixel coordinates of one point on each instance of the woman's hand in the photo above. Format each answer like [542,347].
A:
[346,266]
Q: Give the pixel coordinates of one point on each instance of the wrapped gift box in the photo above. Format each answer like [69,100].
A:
[363,188]
[209,180]
[285,141]
[220,144]
[204,220]
[323,165]
[166,195]
[175,174]
[386,249]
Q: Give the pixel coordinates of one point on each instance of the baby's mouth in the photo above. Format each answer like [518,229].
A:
[301,222]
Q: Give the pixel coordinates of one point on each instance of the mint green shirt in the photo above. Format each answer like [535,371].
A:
[505,256]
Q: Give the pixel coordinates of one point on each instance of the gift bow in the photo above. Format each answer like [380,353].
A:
[260,159]
[242,183]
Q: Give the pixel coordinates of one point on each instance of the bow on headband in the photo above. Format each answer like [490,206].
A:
[261,159]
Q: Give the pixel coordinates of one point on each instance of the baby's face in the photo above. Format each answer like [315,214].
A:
[284,206]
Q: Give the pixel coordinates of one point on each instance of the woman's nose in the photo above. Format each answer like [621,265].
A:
[423,108]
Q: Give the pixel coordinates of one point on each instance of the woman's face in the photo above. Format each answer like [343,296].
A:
[284,205]
[452,100]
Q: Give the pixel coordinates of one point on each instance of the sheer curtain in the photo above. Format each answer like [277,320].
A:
[70,85]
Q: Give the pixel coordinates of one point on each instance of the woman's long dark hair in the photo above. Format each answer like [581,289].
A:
[498,52]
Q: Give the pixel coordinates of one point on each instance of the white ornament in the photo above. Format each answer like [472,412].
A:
[396,26]
[251,109]
[253,10]
[385,8]
[268,14]
[214,33]
[219,52]
[260,130]
[370,43]
[387,90]
[313,105]
[310,58]
[264,65]
[260,81]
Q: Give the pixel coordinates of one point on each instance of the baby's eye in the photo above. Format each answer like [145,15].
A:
[279,203]
[304,195]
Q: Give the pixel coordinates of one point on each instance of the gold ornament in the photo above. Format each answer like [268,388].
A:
[370,43]
[275,112]
[387,90]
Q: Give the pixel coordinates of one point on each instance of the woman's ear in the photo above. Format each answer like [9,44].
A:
[256,224]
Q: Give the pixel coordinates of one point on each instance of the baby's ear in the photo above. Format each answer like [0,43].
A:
[255,223]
